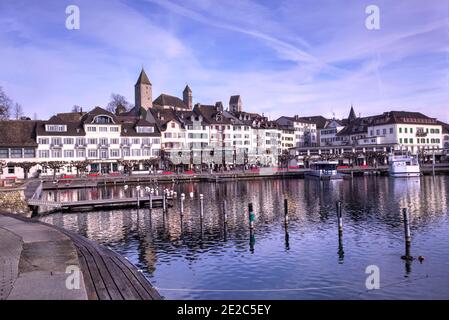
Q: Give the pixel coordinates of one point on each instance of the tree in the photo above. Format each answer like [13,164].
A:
[54,165]
[5,105]
[150,163]
[127,165]
[2,165]
[17,111]
[117,100]
[26,166]
[81,166]
[76,108]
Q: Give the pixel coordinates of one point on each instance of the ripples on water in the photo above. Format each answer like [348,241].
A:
[198,259]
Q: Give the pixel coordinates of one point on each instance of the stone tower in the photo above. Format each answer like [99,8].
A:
[352,115]
[143,91]
[235,104]
[187,97]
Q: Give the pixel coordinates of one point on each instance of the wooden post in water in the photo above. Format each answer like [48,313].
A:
[164,202]
[225,212]
[183,196]
[251,215]
[433,163]
[286,211]
[151,201]
[201,205]
[408,238]
[339,218]
[138,191]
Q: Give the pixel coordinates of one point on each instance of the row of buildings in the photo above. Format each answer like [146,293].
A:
[173,132]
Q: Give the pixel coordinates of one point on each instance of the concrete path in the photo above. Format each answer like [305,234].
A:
[34,260]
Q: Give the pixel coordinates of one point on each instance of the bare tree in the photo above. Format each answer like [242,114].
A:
[76,108]
[5,105]
[17,111]
[117,100]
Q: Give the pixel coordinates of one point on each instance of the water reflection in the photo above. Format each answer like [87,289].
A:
[219,251]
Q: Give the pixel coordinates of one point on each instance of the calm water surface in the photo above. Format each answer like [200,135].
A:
[194,258]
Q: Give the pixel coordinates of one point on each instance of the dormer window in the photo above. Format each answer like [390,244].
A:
[103,119]
[55,128]
[145,129]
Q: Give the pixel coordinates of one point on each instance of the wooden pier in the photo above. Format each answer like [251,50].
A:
[157,202]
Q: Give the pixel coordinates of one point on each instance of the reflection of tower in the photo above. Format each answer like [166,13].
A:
[150,258]
[408,191]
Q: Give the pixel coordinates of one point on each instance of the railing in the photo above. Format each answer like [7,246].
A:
[421,134]
[56,145]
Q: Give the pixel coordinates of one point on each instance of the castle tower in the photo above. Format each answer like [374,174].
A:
[143,91]
[352,115]
[187,97]
[235,104]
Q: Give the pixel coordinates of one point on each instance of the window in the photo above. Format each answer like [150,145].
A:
[125,152]
[16,153]
[92,153]
[103,119]
[125,141]
[103,141]
[406,140]
[400,140]
[92,141]
[391,130]
[68,140]
[377,132]
[80,154]
[80,141]
[411,130]
[113,129]
[136,141]
[68,153]
[103,129]
[384,131]
[405,130]
[11,170]
[145,129]
[29,153]
[167,135]
[173,125]
[103,154]
[135,152]
[115,153]
[91,129]
[56,127]
[44,154]
[146,141]
[43,141]
[56,154]
[115,141]
[411,140]
[56,141]
[400,130]
[437,130]
[4,153]
[156,141]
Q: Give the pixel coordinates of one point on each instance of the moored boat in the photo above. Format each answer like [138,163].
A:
[403,166]
[324,170]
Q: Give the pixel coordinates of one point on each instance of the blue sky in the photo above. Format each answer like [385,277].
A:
[283,57]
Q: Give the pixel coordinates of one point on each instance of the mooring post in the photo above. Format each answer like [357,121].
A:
[408,238]
[183,196]
[201,205]
[251,215]
[339,218]
[151,201]
[164,203]
[433,163]
[286,211]
[225,211]
[138,191]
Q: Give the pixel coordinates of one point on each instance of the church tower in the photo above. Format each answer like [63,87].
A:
[143,91]
[187,97]
[352,115]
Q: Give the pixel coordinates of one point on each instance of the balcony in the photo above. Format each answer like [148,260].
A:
[421,134]
[103,145]
[80,145]
[145,145]
[125,145]
[56,145]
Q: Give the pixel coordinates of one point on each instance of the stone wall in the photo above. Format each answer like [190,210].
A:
[12,200]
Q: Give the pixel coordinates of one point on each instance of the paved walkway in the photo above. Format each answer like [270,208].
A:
[43,262]
[33,262]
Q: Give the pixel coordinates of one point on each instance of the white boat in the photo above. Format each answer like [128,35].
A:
[325,170]
[403,166]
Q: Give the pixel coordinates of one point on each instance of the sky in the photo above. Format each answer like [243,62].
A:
[305,57]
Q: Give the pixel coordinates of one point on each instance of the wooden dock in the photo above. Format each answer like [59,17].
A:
[100,203]
[46,250]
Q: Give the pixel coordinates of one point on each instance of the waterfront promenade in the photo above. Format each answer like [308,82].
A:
[44,262]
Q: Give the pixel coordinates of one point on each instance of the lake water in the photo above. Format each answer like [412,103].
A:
[194,258]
